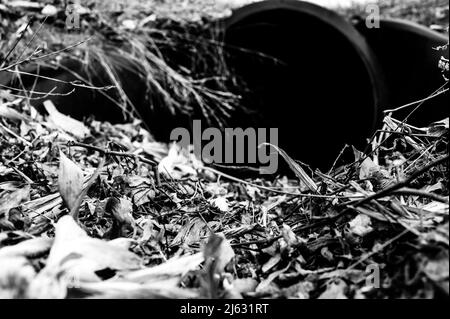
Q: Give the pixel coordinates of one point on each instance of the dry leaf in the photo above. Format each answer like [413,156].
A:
[218,249]
[272,262]
[361,225]
[70,180]
[13,199]
[16,273]
[289,236]
[191,232]
[245,285]
[297,169]
[437,270]
[130,290]
[265,284]
[335,290]
[218,253]
[368,168]
[76,258]
[179,163]
[221,203]
[121,210]
[64,122]
[71,239]
[12,114]
[438,128]
[28,248]
[169,273]
[229,291]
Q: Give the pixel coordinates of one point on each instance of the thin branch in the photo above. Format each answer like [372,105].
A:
[21,35]
[235,179]
[402,184]
[421,193]
[113,153]
[416,102]
[32,58]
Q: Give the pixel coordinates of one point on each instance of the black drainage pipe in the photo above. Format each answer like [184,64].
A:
[77,91]
[308,73]
[409,58]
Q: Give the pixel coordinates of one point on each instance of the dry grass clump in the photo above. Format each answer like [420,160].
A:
[180,60]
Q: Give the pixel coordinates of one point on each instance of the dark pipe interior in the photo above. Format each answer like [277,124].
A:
[312,82]
[409,60]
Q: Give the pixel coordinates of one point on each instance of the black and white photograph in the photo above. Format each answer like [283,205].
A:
[227,156]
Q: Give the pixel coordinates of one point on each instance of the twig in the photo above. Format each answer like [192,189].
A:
[407,134]
[20,138]
[257,242]
[323,221]
[35,34]
[351,206]
[401,184]
[76,83]
[421,103]
[114,153]
[21,35]
[157,176]
[368,255]
[398,124]
[378,249]
[421,193]
[32,58]
[337,159]
[418,101]
[235,179]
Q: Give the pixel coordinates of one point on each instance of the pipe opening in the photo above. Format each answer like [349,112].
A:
[305,74]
